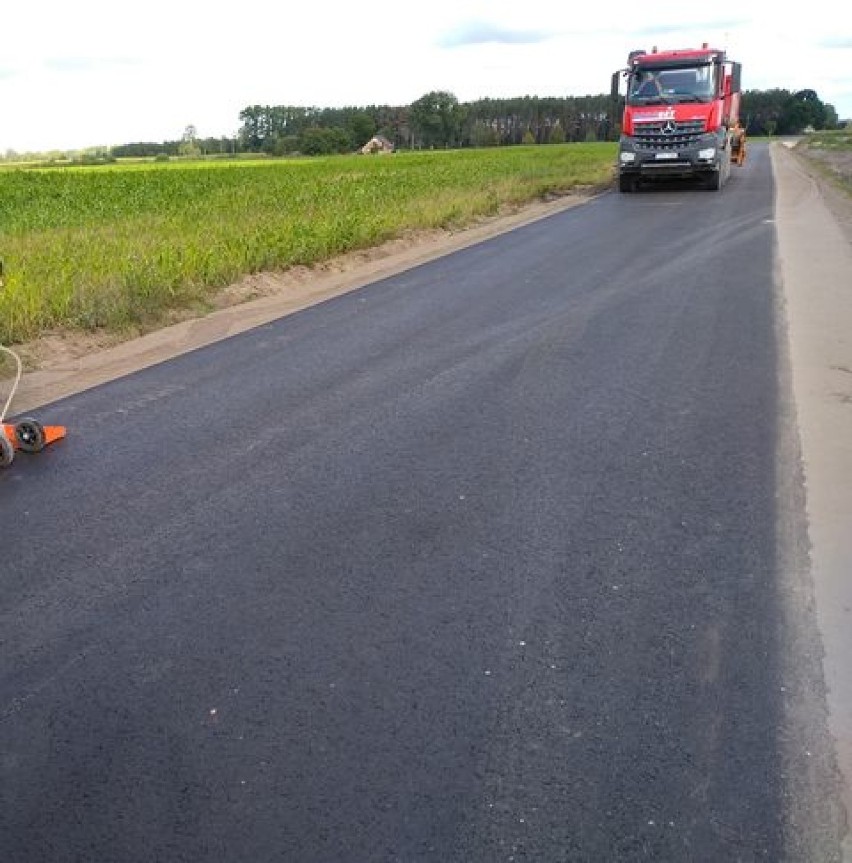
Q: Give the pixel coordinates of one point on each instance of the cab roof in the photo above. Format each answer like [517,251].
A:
[675,57]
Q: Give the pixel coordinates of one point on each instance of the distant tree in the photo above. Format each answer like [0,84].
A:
[263,124]
[779,111]
[436,119]
[189,143]
[317,141]
[832,121]
[528,138]
[511,118]
[810,110]
[361,126]
[287,144]
[557,134]
[394,123]
[217,146]
[759,108]
[483,135]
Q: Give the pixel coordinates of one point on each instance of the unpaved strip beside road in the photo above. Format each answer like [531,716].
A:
[816,270]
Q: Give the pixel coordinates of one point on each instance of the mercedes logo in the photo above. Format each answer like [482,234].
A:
[669,127]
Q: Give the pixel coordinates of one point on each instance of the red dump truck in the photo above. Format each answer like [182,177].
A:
[680,118]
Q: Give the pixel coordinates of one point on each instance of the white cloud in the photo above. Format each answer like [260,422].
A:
[486,32]
[79,74]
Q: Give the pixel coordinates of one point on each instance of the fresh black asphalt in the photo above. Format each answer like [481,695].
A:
[477,563]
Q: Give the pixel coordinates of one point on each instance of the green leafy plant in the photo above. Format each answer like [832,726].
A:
[117,246]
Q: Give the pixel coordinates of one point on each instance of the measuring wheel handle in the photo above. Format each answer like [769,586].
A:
[7,451]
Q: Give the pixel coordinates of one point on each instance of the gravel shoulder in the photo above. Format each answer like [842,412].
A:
[814,224]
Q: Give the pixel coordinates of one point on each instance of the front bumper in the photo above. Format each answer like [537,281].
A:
[700,156]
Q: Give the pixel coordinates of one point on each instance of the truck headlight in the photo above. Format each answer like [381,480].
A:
[707,153]
[627,157]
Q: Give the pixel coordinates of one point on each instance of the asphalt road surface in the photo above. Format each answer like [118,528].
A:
[481,562]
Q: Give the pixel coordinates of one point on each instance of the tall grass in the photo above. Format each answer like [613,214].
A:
[840,139]
[116,246]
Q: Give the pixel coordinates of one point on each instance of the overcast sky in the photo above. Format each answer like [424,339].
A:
[81,73]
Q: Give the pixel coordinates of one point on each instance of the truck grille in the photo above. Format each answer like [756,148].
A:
[666,134]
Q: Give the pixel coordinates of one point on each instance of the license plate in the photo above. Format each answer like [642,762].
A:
[665,155]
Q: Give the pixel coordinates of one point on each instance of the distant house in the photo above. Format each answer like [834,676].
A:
[377,144]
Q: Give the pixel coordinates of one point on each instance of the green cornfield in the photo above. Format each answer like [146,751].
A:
[117,246]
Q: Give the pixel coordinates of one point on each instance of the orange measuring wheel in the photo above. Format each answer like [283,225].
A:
[26,435]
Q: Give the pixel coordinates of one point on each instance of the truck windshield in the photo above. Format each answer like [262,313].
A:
[649,86]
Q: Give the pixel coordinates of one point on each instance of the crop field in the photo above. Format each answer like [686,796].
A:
[117,246]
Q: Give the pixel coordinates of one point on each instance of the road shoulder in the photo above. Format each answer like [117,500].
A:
[815,260]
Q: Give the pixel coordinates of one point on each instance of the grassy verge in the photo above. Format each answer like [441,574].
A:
[117,246]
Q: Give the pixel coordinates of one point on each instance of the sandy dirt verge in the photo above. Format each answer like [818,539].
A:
[64,364]
[814,223]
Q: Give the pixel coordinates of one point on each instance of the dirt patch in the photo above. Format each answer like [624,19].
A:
[832,172]
[839,162]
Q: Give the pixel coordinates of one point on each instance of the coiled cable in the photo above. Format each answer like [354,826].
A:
[16,383]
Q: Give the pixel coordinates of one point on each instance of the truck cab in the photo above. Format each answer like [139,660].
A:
[680,117]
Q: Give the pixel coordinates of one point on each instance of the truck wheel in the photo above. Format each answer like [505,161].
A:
[714,181]
[627,185]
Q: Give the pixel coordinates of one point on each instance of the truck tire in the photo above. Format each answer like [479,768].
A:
[714,182]
[627,185]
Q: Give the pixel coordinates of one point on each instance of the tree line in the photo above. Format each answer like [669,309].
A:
[780,112]
[439,120]
[436,120]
